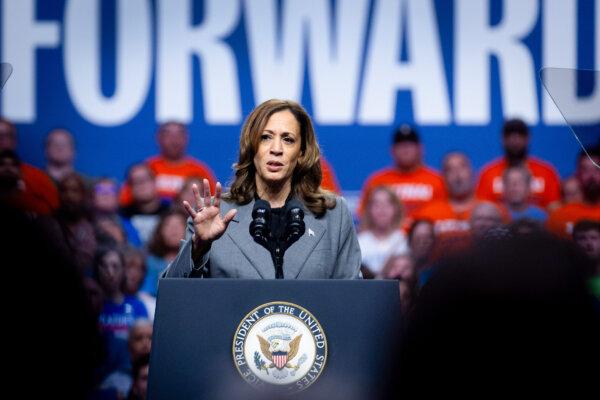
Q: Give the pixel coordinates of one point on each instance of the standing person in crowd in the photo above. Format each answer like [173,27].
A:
[75,218]
[380,236]
[146,205]
[34,181]
[173,165]
[517,194]
[562,220]
[279,172]
[545,184]
[586,235]
[163,247]
[451,216]
[414,183]
[119,313]
[135,274]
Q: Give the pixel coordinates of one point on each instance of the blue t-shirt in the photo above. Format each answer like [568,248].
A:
[531,212]
[156,267]
[116,319]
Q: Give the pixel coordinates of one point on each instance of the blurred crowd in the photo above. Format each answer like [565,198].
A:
[119,237]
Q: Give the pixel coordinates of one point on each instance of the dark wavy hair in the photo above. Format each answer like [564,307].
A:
[306,179]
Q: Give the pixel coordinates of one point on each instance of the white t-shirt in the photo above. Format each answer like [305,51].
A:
[375,252]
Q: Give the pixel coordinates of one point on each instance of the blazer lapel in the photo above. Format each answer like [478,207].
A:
[295,257]
[258,256]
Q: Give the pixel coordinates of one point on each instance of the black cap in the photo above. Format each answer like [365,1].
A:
[515,125]
[406,133]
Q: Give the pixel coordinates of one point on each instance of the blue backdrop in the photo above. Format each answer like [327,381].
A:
[109,71]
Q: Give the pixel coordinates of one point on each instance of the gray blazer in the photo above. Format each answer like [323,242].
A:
[328,250]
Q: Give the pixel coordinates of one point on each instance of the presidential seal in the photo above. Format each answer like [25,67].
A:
[280,346]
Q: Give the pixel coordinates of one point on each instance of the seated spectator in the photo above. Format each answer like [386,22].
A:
[34,182]
[517,195]
[119,311]
[380,236]
[586,235]
[562,220]
[172,166]
[402,268]
[106,205]
[12,193]
[135,274]
[421,242]
[485,218]
[545,184]
[76,220]
[146,206]
[451,216]
[139,342]
[186,193]
[571,191]
[60,155]
[139,387]
[163,247]
[413,183]
[513,315]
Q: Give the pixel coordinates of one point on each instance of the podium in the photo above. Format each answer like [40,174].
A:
[247,339]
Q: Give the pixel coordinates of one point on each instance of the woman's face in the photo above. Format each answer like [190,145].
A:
[111,272]
[278,150]
[173,230]
[382,210]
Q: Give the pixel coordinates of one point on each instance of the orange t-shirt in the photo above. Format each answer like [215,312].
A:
[414,189]
[329,182]
[39,189]
[170,176]
[545,183]
[446,220]
[562,220]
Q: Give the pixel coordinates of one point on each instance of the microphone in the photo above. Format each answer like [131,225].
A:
[295,223]
[261,217]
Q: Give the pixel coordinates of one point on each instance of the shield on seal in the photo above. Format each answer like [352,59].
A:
[280,359]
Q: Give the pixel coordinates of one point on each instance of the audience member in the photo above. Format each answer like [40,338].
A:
[146,206]
[60,154]
[12,193]
[517,194]
[571,191]
[586,235]
[106,206]
[512,315]
[562,220]
[76,220]
[402,268]
[414,183]
[485,217]
[135,274]
[139,387]
[451,216]
[545,184]
[380,236]
[35,182]
[163,247]
[172,166]
[421,241]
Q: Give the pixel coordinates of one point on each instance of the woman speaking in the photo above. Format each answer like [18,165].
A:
[276,221]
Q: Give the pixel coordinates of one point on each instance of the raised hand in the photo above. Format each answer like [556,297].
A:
[208,223]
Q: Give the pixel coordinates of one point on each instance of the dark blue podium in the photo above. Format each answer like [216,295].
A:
[246,339]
